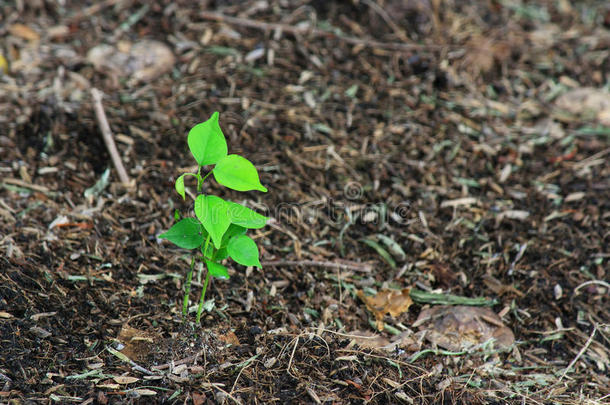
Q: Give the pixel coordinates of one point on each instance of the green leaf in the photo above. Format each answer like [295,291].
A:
[244,251]
[217,270]
[207,142]
[186,234]
[210,251]
[221,254]
[380,250]
[237,173]
[180,186]
[212,212]
[245,217]
[180,183]
[233,230]
[393,246]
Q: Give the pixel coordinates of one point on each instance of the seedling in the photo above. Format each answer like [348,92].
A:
[218,230]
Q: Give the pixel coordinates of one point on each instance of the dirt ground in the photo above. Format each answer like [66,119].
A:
[454,147]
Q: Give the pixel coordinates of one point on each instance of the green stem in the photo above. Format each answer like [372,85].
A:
[206,176]
[205,284]
[200,179]
[187,289]
[202,299]
[205,247]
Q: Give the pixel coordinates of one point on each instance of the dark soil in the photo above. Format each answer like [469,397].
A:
[376,122]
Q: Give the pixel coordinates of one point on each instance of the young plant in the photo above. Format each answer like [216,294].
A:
[218,230]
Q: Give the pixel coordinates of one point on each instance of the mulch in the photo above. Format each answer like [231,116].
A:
[433,124]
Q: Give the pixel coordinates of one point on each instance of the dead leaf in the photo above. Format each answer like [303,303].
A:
[229,338]
[460,327]
[144,391]
[484,52]
[545,37]
[23,31]
[109,386]
[125,379]
[498,288]
[40,332]
[393,302]
[586,102]
[142,61]
[198,399]
[520,215]
[138,343]
[370,340]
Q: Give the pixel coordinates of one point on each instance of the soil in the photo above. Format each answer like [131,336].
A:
[433,124]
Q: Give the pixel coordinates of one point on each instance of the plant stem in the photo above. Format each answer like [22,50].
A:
[187,289]
[206,176]
[200,180]
[205,247]
[202,299]
[205,284]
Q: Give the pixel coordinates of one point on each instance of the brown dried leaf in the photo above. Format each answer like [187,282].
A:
[23,31]
[229,338]
[125,380]
[460,327]
[142,61]
[370,340]
[138,343]
[498,288]
[586,101]
[391,302]
[198,399]
[484,52]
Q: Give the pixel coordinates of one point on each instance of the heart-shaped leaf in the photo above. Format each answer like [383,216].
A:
[186,234]
[243,250]
[245,217]
[237,173]
[207,142]
[217,270]
[212,212]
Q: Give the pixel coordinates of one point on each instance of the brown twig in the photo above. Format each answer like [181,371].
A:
[578,356]
[362,267]
[107,135]
[386,17]
[296,30]
[186,360]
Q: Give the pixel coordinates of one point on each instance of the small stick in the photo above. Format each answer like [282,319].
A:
[107,135]
[343,266]
[294,349]
[578,356]
[295,30]
[386,17]
[185,360]
[599,282]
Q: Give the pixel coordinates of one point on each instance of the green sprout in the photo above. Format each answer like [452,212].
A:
[218,230]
